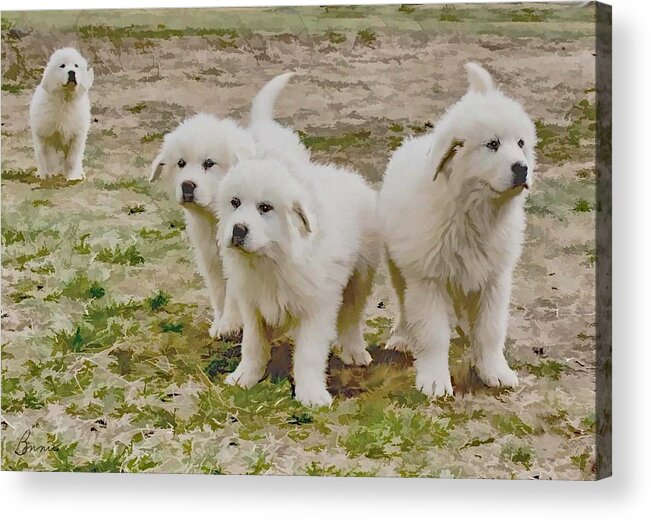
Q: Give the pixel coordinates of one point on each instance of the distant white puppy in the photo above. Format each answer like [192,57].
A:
[300,247]
[452,215]
[59,115]
[194,160]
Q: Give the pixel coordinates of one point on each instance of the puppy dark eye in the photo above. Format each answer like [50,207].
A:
[76,66]
[235,202]
[521,143]
[181,163]
[62,66]
[493,145]
[208,163]
[265,207]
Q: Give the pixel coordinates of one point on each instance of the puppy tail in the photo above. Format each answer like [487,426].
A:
[479,79]
[262,107]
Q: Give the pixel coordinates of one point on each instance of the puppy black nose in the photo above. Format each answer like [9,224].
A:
[239,234]
[71,77]
[187,188]
[519,170]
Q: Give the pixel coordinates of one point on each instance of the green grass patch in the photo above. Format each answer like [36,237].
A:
[129,256]
[11,236]
[558,198]
[172,327]
[378,329]
[138,185]
[583,206]
[559,143]
[449,13]
[158,301]
[382,433]
[406,8]
[133,209]
[511,424]
[153,137]
[82,288]
[335,37]
[38,203]
[81,246]
[137,108]
[15,88]
[519,455]
[530,14]
[367,36]
[581,460]
[27,175]
[547,368]
[116,34]
[325,143]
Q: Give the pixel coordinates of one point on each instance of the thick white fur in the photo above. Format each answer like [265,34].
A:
[197,139]
[306,267]
[453,228]
[59,115]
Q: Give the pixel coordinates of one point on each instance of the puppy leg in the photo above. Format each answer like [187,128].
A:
[256,352]
[211,269]
[313,339]
[427,306]
[489,333]
[230,322]
[398,338]
[350,319]
[46,158]
[73,159]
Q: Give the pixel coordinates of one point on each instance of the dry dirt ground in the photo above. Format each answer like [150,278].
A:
[105,347]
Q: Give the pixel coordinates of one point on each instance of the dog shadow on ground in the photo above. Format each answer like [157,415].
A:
[387,365]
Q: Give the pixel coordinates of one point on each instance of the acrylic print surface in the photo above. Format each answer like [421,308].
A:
[345,241]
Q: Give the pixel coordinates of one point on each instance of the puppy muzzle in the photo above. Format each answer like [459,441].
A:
[239,235]
[519,178]
[187,191]
[72,78]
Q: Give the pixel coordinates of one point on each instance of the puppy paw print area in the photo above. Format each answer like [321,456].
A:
[107,361]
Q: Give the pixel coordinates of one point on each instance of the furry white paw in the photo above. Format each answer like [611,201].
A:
[397,342]
[313,395]
[76,175]
[214,329]
[497,373]
[435,383]
[224,328]
[359,357]
[245,376]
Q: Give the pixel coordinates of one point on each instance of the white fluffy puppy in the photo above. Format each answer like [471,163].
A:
[59,115]
[452,215]
[193,160]
[300,247]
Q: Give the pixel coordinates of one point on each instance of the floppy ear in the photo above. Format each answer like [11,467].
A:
[444,162]
[300,217]
[156,167]
[91,77]
[49,81]
[479,80]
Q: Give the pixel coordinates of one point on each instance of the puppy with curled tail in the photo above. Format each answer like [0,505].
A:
[59,115]
[193,161]
[453,223]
